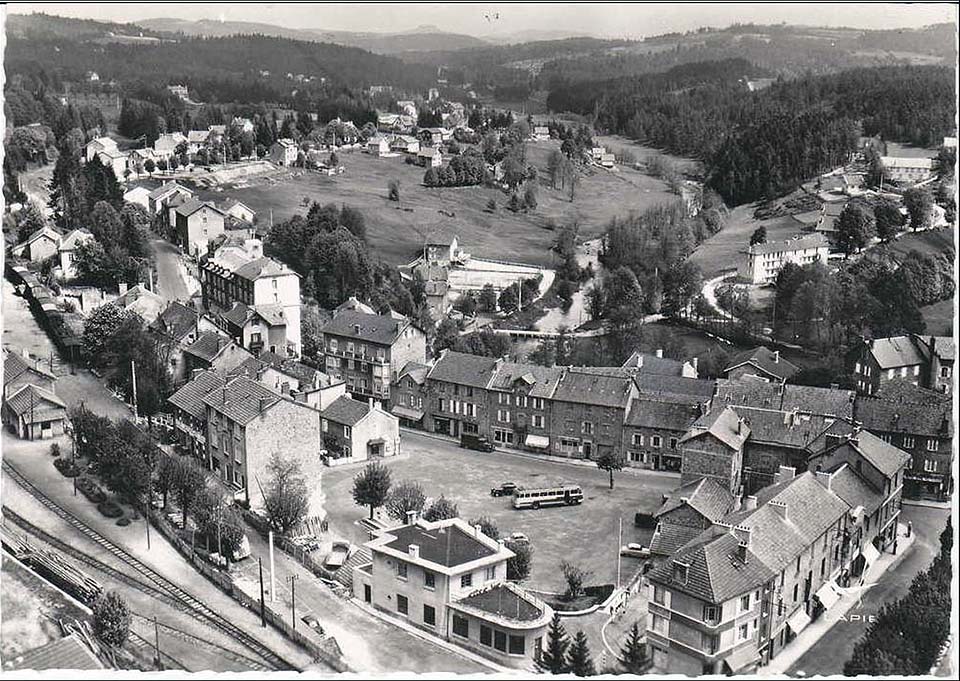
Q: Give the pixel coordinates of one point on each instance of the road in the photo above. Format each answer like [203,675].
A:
[35,184]
[170,283]
[829,654]
[710,294]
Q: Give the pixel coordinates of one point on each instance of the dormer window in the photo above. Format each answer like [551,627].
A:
[680,571]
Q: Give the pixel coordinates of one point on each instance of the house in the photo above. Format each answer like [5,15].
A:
[378,146]
[166,145]
[607,160]
[950,142]
[197,223]
[139,196]
[369,350]
[656,363]
[520,398]
[404,144]
[941,352]
[430,157]
[596,153]
[748,391]
[213,351]
[881,360]
[907,170]
[240,273]
[190,413]
[180,91]
[763,363]
[137,159]
[677,388]
[762,262]
[34,413]
[441,250]
[247,427]
[243,124]
[713,448]
[450,579]
[256,328]
[541,133]
[240,211]
[653,429]
[283,152]
[95,146]
[590,405]
[116,161]
[141,301]
[197,140]
[687,511]
[407,108]
[358,431]
[456,401]
[176,327]
[292,378]
[39,246]
[68,248]
[159,199]
[19,370]
[407,394]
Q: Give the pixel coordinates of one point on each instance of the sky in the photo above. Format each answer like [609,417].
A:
[630,20]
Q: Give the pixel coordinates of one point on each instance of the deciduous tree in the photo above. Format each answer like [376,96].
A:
[111,619]
[404,497]
[371,486]
[287,496]
[441,509]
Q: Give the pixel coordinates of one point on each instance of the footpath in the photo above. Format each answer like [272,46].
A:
[851,597]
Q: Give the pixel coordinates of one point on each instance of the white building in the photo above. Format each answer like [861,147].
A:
[907,170]
[67,249]
[763,261]
[95,146]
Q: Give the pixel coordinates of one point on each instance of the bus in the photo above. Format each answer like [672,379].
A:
[535,497]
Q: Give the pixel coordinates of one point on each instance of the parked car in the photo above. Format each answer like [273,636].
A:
[505,490]
[338,554]
[519,538]
[313,623]
[635,551]
[477,442]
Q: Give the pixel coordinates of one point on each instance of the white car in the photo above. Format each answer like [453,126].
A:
[635,551]
[519,537]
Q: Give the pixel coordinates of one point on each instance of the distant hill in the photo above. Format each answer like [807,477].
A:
[47,26]
[420,38]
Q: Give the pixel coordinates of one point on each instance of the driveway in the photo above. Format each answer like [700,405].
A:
[710,294]
[170,271]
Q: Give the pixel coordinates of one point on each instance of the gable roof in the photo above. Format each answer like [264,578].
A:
[43,232]
[176,320]
[346,410]
[60,654]
[896,351]
[371,328]
[706,496]
[167,188]
[652,364]
[241,399]
[668,538]
[783,428]
[262,267]
[74,238]
[463,369]
[541,381]
[188,208]
[766,361]
[785,396]
[888,416]
[855,490]
[189,398]
[416,371]
[797,243]
[36,404]
[724,424]
[694,389]
[605,387]
[208,345]
[662,413]
[882,455]
[14,366]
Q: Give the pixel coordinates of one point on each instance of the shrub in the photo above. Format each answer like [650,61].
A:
[67,467]
[55,450]
[111,619]
[110,509]
[123,522]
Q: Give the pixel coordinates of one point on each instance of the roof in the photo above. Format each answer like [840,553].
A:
[233,203]
[792,429]
[662,414]
[889,416]
[208,345]
[775,395]
[346,410]
[62,653]
[372,328]
[797,243]
[198,135]
[14,366]
[74,238]
[668,538]
[903,391]
[653,364]
[176,320]
[36,404]
[721,422]
[541,381]
[167,187]
[190,207]
[693,389]
[945,347]
[448,545]
[597,386]
[706,496]
[416,371]
[903,162]
[766,360]
[261,267]
[855,490]
[429,152]
[882,455]
[189,398]
[506,601]
[463,369]
[896,351]
[241,399]
[45,231]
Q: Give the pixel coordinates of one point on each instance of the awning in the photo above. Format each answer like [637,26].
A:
[798,621]
[827,596]
[870,553]
[407,413]
[540,441]
[742,658]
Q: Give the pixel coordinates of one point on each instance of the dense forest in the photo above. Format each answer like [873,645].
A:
[761,144]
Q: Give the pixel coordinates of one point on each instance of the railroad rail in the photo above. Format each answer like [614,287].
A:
[162,584]
[251,663]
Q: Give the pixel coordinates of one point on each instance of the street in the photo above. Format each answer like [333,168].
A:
[170,282]
[829,654]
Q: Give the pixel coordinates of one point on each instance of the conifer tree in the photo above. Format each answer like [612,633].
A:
[633,655]
[553,659]
[579,661]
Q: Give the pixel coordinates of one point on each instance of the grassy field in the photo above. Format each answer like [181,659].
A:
[939,317]
[397,233]
[616,143]
[931,242]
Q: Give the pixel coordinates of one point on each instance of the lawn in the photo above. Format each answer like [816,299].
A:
[585,535]
[939,317]
[396,233]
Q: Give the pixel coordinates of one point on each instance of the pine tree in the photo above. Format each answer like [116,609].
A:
[553,659]
[579,660]
[633,655]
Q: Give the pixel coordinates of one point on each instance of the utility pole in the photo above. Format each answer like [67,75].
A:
[293,600]
[263,611]
[619,544]
[146,510]
[133,380]
[273,579]
[156,634]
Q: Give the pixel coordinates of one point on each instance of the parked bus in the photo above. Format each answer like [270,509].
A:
[535,497]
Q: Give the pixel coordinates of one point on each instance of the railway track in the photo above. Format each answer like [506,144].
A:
[160,583]
[200,641]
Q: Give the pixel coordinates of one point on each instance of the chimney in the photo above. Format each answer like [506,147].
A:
[123,287]
[776,356]
[264,401]
[25,353]
[740,426]
[660,352]
[742,533]
[639,361]
[749,503]
[224,394]
[780,508]
[696,365]
[787,473]
[824,479]
[477,530]
[414,551]
[412,517]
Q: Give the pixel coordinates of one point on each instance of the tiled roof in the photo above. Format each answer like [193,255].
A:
[416,371]
[36,404]
[463,369]
[663,414]
[239,314]
[14,365]
[811,507]
[261,267]
[651,364]
[902,391]
[449,546]
[887,416]
[787,397]
[346,411]
[783,428]
[60,654]
[241,399]
[854,490]
[798,243]
[504,600]
[724,424]
[208,345]
[74,238]
[371,328]
[895,352]
[706,496]
[190,207]
[669,538]
[189,398]
[589,385]
[945,348]
[697,389]
[884,456]
[542,380]
[176,321]
[767,361]
[166,188]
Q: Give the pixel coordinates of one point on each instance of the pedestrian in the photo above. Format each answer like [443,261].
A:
[909,528]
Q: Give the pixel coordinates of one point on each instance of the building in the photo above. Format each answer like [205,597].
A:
[176,327]
[95,146]
[141,301]
[369,350]
[763,363]
[137,160]
[590,406]
[256,328]
[240,211]
[34,413]
[520,405]
[247,425]
[180,91]
[713,448]
[67,652]
[430,157]
[656,363]
[138,195]
[408,394]
[160,198]
[166,145]
[378,145]
[292,378]
[763,261]
[39,246]
[907,170]
[190,412]
[942,352]
[748,391]
[456,401]
[541,133]
[907,358]
[687,512]
[197,224]
[241,274]
[197,140]
[404,144]
[450,579]
[653,429]
[358,431]
[214,351]
[283,152]
[116,161]
[19,370]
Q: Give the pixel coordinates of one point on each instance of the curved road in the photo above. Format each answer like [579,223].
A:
[170,282]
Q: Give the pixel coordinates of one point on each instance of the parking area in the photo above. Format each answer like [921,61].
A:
[586,535]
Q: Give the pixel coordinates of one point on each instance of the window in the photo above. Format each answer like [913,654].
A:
[486,635]
[538,420]
[659,624]
[538,403]
[742,632]
[744,603]
[503,398]
[908,442]
[517,645]
[429,615]
[461,626]
[466,580]
[402,604]
[401,570]
[798,563]
[708,642]
[659,595]
[503,415]
[823,566]
[429,580]
[710,613]
[350,347]
[933,445]
[673,443]
[656,441]
[346,431]
[587,428]
[638,440]
[929,466]
[500,641]
[490,574]
[521,400]
[857,367]
[795,592]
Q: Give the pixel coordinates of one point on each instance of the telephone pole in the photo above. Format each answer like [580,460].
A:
[156,639]
[293,600]
[133,380]
[263,611]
